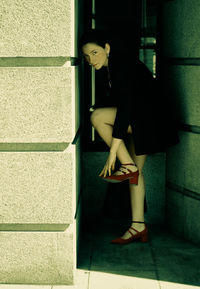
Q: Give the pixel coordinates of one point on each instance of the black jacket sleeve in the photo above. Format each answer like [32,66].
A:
[131,85]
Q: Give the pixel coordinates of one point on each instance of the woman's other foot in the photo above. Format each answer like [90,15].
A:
[139,227]
[137,231]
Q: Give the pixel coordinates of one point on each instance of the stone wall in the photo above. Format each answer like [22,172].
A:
[39,141]
[181,51]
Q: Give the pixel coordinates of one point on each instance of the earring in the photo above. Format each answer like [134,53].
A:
[107,55]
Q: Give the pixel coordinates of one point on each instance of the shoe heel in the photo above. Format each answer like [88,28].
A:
[134,180]
[144,237]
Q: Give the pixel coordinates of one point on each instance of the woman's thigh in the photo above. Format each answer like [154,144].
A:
[103,115]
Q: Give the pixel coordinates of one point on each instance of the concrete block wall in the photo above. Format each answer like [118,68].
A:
[181,50]
[39,141]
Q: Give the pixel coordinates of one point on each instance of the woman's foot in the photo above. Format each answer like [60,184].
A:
[126,172]
[141,234]
[126,168]
[137,226]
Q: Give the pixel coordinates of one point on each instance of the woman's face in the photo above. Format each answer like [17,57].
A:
[96,55]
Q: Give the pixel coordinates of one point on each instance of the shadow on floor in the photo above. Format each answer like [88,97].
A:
[166,260]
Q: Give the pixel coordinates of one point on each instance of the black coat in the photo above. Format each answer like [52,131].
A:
[139,103]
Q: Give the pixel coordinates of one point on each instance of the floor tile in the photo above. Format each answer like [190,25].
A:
[178,265]
[99,280]
[177,260]
[167,258]
[113,258]
[189,257]
[81,282]
[132,257]
[180,275]
[171,285]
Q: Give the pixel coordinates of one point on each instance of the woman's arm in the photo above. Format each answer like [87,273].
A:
[110,163]
[123,91]
[115,144]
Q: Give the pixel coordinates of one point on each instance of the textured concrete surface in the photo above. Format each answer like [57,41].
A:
[183,215]
[40,167]
[184,81]
[155,174]
[38,258]
[183,162]
[38,187]
[175,211]
[39,28]
[181,28]
[38,105]
[192,225]
[183,191]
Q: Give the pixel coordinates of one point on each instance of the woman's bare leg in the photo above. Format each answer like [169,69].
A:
[103,119]
[137,193]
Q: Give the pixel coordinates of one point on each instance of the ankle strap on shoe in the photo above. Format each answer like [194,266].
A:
[131,164]
[137,222]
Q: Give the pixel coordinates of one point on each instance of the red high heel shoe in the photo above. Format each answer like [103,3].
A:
[142,236]
[132,176]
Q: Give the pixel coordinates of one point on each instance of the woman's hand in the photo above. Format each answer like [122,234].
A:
[110,164]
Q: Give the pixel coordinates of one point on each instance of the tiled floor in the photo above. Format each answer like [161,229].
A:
[165,262]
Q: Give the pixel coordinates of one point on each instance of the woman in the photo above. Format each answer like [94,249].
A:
[132,108]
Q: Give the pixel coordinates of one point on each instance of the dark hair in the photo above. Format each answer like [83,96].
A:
[94,36]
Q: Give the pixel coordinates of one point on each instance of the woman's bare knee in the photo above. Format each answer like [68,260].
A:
[103,115]
[95,117]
